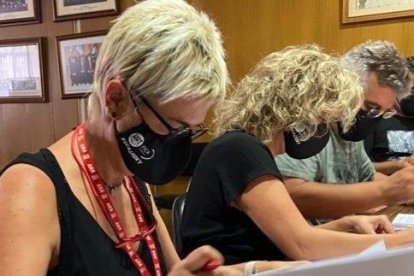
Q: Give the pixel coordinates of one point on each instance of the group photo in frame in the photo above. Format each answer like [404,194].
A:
[17,12]
[21,71]
[77,56]
[78,9]
[370,10]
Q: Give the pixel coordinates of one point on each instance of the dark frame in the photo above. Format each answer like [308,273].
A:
[380,14]
[39,81]
[13,18]
[81,11]
[68,91]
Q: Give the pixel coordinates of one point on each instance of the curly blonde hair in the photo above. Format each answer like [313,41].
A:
[298,89]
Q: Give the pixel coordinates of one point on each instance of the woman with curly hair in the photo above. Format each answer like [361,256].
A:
[237,202]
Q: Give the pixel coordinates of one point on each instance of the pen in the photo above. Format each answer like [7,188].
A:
[211,265]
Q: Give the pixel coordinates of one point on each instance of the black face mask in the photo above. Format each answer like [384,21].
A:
[154,158]
[407,106]
[362,127]
[304,149]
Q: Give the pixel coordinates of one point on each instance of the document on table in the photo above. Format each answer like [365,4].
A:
[376,260]
[403,221]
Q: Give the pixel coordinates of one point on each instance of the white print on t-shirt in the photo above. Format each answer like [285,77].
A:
[401,141]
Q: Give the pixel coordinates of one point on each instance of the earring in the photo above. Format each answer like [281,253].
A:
[113,115]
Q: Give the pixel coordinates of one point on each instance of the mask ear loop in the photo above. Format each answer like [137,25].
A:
[115,128]
[114,116]
[136,109]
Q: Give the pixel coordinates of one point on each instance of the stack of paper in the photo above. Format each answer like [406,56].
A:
[403,221]
[376,260]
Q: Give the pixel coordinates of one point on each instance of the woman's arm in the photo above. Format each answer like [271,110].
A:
[29,224]
[360,224]
[168,249]
[268,204]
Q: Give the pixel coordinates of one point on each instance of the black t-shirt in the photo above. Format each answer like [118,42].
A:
[85,249]
[227,165]
[393,138]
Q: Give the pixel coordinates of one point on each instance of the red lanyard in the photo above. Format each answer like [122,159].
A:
[104,199]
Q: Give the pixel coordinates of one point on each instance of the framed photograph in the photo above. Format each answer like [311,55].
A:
[77,56]
[16,12]
[369,10]
[78,9]
[21,71]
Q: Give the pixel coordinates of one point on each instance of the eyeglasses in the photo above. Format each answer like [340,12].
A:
[182,131]
[375,112]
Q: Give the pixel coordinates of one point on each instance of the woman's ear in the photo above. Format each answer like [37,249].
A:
[116,98]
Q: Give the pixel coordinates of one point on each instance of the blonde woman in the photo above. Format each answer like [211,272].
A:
[237,201]
[82,206]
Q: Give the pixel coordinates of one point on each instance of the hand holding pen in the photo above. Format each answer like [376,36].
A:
[204,260]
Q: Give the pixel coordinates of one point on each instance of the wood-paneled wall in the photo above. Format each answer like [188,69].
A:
[254,28]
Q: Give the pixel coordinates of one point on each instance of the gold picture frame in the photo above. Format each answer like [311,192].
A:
[79,9]
[354,11]
[77,56]
[21,63]
[19,12]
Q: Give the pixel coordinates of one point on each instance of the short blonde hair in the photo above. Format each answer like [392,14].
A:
[297,88]
[163,49]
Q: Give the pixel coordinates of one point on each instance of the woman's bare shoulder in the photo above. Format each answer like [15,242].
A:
[25,187]
[25,177]
[29,220]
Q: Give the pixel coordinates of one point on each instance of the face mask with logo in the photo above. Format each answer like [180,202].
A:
[298,149]
[407,106]
[362,127]
[152,157]
[155,158]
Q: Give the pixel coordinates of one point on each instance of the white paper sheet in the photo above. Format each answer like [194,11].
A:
[375,260]
[403,221]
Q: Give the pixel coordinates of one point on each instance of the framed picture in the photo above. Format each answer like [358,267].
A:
[21,71]
[77,56]
[15,12]
[369,10]
[78,9]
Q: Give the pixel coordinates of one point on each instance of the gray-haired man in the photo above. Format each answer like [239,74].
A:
[313,182]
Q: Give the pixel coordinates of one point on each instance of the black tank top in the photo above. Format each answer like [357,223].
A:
[85,249]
